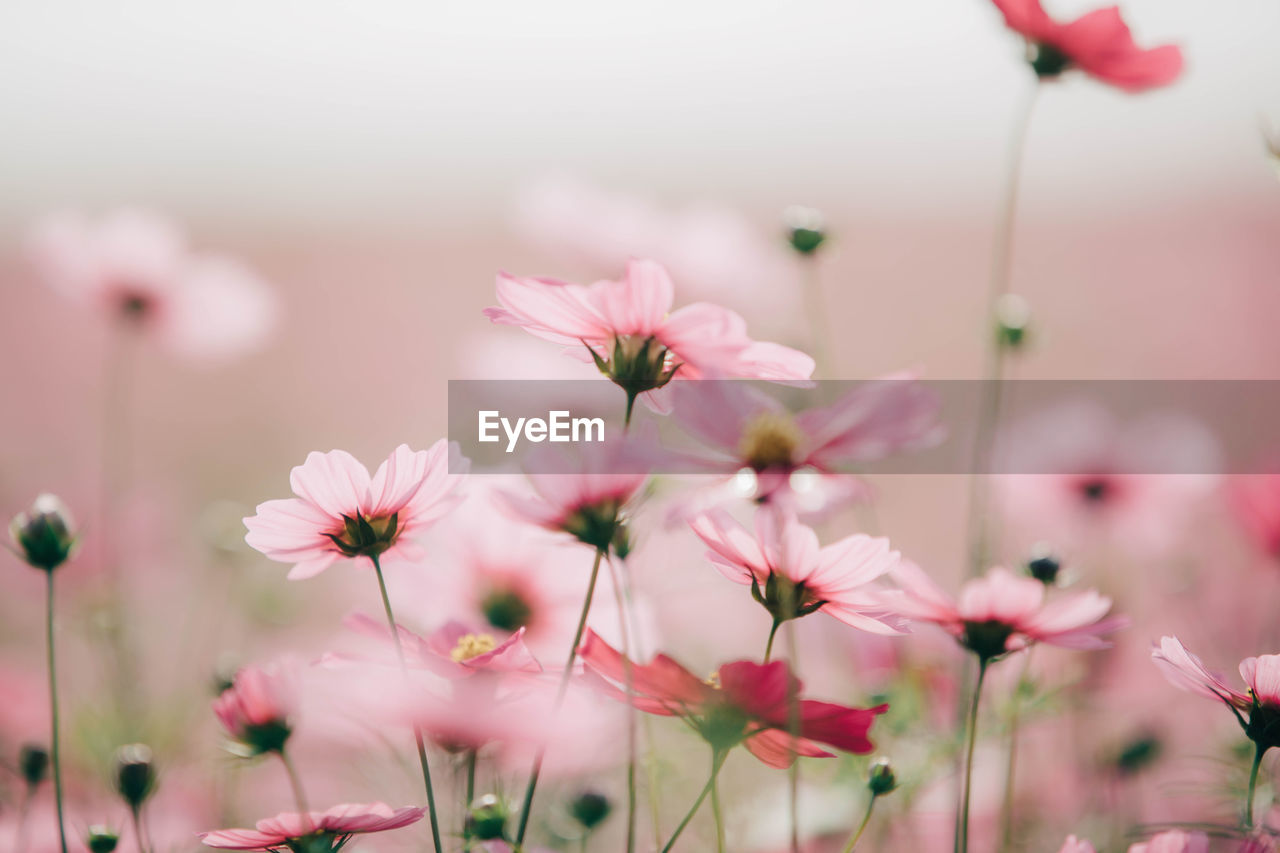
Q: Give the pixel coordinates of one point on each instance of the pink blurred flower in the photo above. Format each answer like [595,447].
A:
[1076,845]
[340,512]
[257,709]
[1002,612]
[135,266]
[295,830]
[633,335]
[1133,484]
[745,428]
[1255,498]
[1098,43]
[1173,841]
[792,575]
[742,703]
[453,650]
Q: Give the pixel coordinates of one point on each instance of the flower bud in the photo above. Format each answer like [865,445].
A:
[44,533]
[101,839]
[880,778]
[1044,566]
[1013,317]
[1047,61]
[590,809]
[487,819]
[1138,754]
[806,229]
[135,774]
[33,763]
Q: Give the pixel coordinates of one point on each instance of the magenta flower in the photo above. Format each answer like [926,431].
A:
[342,513]
[314,832]
[1098,43]
[635,338]
[1003,612]
[135,267]
[1173,841]
[743,703]
[257,708]
[792,575]
[1076,845]
[745,428]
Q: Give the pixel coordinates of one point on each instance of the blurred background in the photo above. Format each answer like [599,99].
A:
[378,163]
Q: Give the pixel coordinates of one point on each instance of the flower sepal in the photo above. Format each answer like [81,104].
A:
[365,537]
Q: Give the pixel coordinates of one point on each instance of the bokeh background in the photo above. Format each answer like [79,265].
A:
[378,163]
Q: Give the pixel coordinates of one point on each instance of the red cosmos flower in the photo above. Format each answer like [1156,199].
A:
[1002,612]
[792,575]
[257,708]
[743,703]
[314,832]
[1098,43]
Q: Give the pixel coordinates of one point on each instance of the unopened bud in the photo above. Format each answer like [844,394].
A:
[135,774]
[43,533]
[33,763]
[1044,566]
[880,778]
[590,809]
[487,819]
[1013,319]
[101,839]
[806,229]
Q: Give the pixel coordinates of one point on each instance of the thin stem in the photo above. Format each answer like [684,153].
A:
[139,829]
[768,647]
[962,816]
[993,372]
[862,827]
[632,714]
[631,404]
[560,691]
[471,777]
[417,732]
[54,740]
[717,761]
[295,782]
[1015,714]
[815,306]
[717,812]
[1258,752]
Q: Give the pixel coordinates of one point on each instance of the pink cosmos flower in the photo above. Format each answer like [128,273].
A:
[453,650]
[1076,845]
[1003,612]
[744,428]
[635,338]
[340,512]
[1098,43]
[333,827]
[1185,670]
[257,709]
[792,575]
[1173,841]
[743,703]
[135,266]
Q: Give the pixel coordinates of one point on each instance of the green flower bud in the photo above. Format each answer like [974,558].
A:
[101,839]
[1044,566]
[880,778]
[805,228]
[135,774]
[1013,318]
[33,763]
[43,533]
[590,809]
[487,819]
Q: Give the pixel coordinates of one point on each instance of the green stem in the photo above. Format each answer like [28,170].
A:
[417,732]
[717,761]
[768,647]
[962,816]
[54,740]
[717,812]
[295,782]
[815,307]
[471,777]
[989,404]
[862,827]
[1258,752]
[631,404]
[632,714]
[560,691]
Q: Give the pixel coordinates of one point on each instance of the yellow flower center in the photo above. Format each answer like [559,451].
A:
[713,680]
[770,440]
[471,646]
